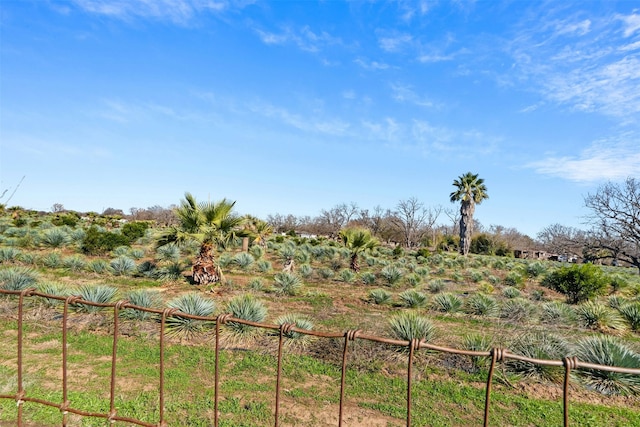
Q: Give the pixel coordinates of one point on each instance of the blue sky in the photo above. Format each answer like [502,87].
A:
[297,106]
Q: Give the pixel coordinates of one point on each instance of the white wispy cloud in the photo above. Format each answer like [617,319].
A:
[371,65]
[406,94]
[304,38]
[307,123]
[583,64]
[176,11]
[608,159]
[394,42]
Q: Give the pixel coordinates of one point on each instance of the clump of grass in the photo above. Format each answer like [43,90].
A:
[245,307]
[169,272]
[413,299]
[54,238]
[517,310]
[477,342]
[616,301]
[263,266]
[347,276]
[539,345]
[368,278]
[408,325]
[446,303]
[75,262]
[55,289]
[169,252]
[100,294]
[436,285]
[482,305]
[51,260]
[610,351]
[194,304]
[413,280]
[256,284]
[305,270]
[97,266]
[379,296]
[9,254]
[286,283]
[510,292]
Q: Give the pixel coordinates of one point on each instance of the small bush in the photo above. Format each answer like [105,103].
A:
[98,266]
[123,266]
[101,294]
[595,315]
[305,270]
[295,338]
[436,285]
[539,345]
[263,266]
[133,231]
[142,298]
[243,260]
[9,254]
[325,273]
[194,304]
[413,280]
[245,307]
[256,284]
[517,310]
[631,313]
[98,242]
[391,274]
[368,278]
[578,282]
[17,278]
[477,342]
[347,276]
[557,312]
[51,260]
[74,263]
[510,292]
[55,238]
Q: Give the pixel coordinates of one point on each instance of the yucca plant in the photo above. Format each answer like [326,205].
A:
[296,339]
[55,289]
[379,296]
[408,325]
[17,278]
[368,278]
[422,271]
[413,299]
[391,274]
[101,294]
[256,251]
[631,313]
[245,307]
[123,266]
[77,235]
[476,276]
[610,351]
[413,280]
[121,251]
[244,260]
[98,266]
[142,298]
[136,253]
[75,262]
[616,301]
[54,238]
[446,303]
[51,260]
[535,269]
[539,345]
[556,312]
[305,270]
[477,342]
[194,304]
[482,305]
[286,283]
[169,252]
[256,284]
[263,266]
[347,276]
[517,310]
[9,254]
[510,292]
[436,285]
[325,273]
[169,272]
[595,315]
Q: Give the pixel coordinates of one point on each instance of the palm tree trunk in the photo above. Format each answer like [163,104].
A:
[205,270]
[354,262]
[466,226]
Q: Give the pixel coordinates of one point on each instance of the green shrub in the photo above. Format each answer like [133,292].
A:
[75,263]
[123,266]
[245,307]
[347,276]
[539,345]
[17,278]
[305,270]
[263,266]
[595,315]
[101,294]
[132,231]
[391,274]
[477,342]
[295,338]
[436,285]
[368,278]
[243,260]
[142,298]
[517,310]
[482,305]
[513,278]
[631,313]
[55,238]
[256,284]
[578,282]
[98,242]
[510,292]
[556,312]
[98,266]
[8,254]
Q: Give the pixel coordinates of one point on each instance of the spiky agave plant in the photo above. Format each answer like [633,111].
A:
[482,305]
[142,298]
[446,302]
[595,315]
[191,303]
[101,294]
[17,278]
[245,307]
[391,274]
[608,350]
[55,289]
[413,299]
[286,283]
[379,296]
[409,325]
[244,260]
[555,312]
[123,266]
[539,345]
[169,252]
[477,342]
[631,313]
[296,339]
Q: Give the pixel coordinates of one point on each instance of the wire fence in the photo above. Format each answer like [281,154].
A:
[496,355]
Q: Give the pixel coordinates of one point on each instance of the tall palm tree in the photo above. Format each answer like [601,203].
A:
[357,240]
[213,225]
[470,190]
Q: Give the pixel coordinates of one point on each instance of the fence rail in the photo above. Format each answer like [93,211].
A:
[496,356]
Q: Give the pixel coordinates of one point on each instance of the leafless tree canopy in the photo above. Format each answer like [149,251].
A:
[615,217]
[562,240]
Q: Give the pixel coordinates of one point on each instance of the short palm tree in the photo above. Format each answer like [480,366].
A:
[212,224]
[258,230]
[357,240]
[470,190]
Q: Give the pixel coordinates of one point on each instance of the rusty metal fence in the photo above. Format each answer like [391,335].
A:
[495,355]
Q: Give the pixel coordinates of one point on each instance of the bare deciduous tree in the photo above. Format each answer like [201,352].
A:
[413,219]
[615,217]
